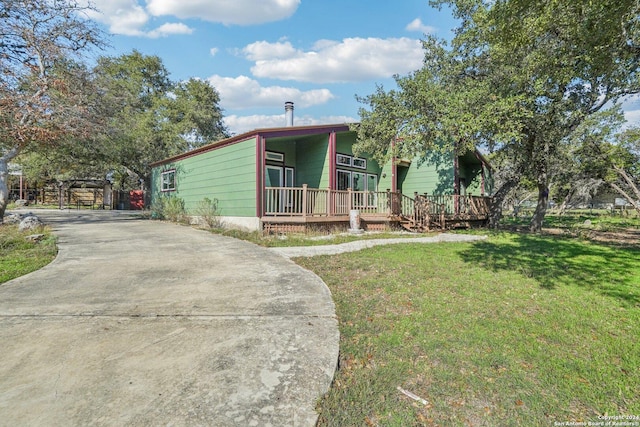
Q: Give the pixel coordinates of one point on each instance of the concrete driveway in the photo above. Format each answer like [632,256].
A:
[144,323]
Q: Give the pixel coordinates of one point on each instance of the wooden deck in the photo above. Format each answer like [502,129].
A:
[289,209]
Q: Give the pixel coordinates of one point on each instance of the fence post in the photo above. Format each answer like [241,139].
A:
[349,199]
[304,200]
[389,201]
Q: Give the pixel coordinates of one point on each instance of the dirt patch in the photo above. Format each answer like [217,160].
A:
[625,237]
[622,237]
[630,237]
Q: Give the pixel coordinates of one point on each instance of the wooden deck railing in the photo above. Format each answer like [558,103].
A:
[305,201]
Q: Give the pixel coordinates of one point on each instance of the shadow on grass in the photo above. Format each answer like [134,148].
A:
[554,262]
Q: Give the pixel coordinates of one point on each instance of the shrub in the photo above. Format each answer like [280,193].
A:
[157,208]
[169,208]
[174,209]
[207,210]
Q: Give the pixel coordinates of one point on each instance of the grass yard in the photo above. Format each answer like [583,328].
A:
[19,256]
[309,239]
[518,330]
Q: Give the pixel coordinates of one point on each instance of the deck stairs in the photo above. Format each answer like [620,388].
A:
[427,213]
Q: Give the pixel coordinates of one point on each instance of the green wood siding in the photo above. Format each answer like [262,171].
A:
[312,166]
[431,174]
[385,178]
[287,147]
[227,174]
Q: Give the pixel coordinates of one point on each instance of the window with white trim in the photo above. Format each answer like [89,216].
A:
[343,159]
[359,163]
[168,180]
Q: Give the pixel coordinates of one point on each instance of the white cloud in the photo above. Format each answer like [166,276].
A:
[240,124]
[213,51]
[417,25]
[124,17]
[168,29]
[127,17]
[351,60]
[243,92]
[228,12]
[261,51]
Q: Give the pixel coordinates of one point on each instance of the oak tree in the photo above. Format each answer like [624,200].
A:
[46,94]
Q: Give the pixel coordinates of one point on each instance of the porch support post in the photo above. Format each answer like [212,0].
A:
[260,162]
[389,201]
[332,173]
[394,169]
[456,181]
[332,160]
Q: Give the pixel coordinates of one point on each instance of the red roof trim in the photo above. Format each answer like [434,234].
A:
[265,133]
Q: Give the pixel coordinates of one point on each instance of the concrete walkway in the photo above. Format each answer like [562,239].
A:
[141,323]
[308,251]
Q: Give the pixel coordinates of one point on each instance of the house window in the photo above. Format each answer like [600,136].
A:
[343,160]
[359,182]
[272,156]
[359,163]
[289,180]
[372,182]
[344,180]
[169,180]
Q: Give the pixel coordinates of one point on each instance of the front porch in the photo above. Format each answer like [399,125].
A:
[289,209]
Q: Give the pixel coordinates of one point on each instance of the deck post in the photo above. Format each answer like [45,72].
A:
[389,202]
[349,199]
[304,200]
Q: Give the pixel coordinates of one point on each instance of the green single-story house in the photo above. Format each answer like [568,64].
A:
[293,177]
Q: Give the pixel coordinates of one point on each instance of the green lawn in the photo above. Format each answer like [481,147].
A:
[311,238]
[518,330]
[19,256]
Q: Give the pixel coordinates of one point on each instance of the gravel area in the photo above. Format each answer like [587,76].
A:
[309,251]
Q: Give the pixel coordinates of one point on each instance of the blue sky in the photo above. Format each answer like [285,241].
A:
[260,53]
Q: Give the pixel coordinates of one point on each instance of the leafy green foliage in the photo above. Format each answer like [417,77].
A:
[151,117]
[519,77]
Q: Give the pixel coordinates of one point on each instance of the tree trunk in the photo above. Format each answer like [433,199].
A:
[4,177]
[627,197]
[631,183]
[563,207]
[541,208]
[495,205]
